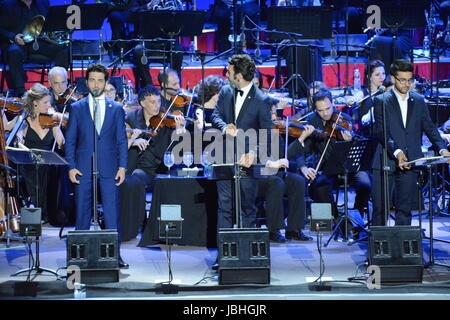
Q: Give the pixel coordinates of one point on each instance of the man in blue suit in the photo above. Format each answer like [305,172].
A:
[241,105]
[407,118]
[111,150]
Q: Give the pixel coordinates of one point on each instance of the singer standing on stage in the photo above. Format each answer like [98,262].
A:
[111,150]
[407,118]
[241,105]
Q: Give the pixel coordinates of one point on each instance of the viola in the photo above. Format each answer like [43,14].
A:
[160,120]
[48,121]
[12,106]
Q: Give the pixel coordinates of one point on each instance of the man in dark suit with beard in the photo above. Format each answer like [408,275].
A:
[109,127]
[407,118]
[241,105]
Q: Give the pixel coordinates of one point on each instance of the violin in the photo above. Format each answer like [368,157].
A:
[12,106]
[68,96]
[48,121]
[159,120]
[295,130]
[182,100]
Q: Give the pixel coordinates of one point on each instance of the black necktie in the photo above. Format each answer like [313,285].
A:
[241,92]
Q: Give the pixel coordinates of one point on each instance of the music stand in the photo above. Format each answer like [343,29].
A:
[312,23]
[170,23]
[348,157]
[91,15]
[38,158]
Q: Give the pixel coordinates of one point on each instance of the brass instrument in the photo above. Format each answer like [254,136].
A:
[32,32]
[33,29]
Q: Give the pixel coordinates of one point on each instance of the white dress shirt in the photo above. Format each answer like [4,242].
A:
[403,102]
[240,99]
[101,104]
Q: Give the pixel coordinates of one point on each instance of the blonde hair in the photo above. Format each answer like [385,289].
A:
[36,93]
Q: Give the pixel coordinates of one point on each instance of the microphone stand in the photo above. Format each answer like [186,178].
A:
[385,168]
[94,166]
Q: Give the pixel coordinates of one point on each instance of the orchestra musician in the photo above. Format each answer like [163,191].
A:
[111,151]
[407,118]
[322,184]
[146,152]
[33,136]
[15,15]
[209,93]
[169,82]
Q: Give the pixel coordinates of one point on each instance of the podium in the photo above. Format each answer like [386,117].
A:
[35,157]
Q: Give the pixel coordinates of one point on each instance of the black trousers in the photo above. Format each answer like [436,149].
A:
[15,56]
[273,189]
[403,187]
[249,187]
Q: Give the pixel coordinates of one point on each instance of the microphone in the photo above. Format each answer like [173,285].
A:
[380,89]
[144,59]
[333,52]
[121,58]
[95,93]
[242,35]
[257,50]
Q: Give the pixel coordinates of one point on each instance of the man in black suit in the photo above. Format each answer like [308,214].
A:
[241,105]
[14,16]
[407,118]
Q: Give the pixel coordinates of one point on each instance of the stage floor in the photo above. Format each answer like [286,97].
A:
[293,266]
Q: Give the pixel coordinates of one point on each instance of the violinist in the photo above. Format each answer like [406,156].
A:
[61,94]
[33,136]
[146,152]
[170,86]
[308,143]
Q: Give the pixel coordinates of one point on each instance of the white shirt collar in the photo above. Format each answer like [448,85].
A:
[399,97]
[246,89]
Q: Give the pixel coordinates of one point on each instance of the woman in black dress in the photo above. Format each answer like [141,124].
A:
[33,136]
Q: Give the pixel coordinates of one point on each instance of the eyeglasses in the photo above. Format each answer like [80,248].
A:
[403,81]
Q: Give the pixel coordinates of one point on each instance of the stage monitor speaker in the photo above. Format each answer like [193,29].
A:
[305,64]
[96,253]
[30,222]
[398,252]
[244,256]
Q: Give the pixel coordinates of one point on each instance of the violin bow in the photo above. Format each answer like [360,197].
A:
[62,115]
[326,146]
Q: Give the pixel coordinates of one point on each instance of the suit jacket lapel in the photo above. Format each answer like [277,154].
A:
[108,115]
[410,110]
[247,102]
